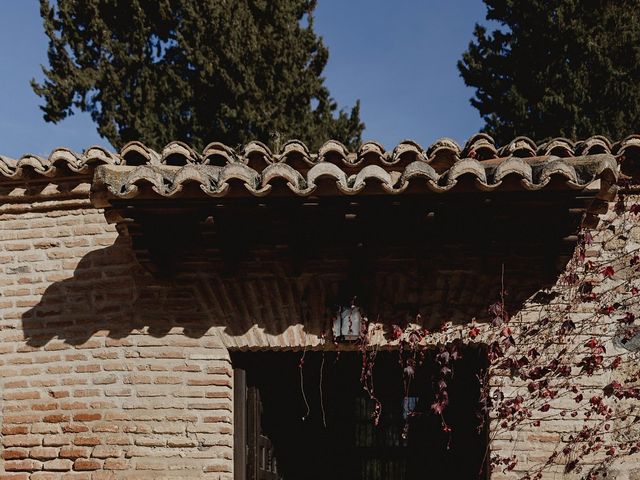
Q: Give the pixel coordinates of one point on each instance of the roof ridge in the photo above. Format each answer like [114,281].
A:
[441,155]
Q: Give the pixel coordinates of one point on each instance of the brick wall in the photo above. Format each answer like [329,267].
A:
[89,389]
[543,438]
[110,373]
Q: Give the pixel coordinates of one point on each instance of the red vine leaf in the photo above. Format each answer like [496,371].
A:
[608,271]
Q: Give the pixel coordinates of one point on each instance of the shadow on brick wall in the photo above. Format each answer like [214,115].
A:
[110,294]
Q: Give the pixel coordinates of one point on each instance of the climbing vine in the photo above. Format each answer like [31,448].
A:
[571,354]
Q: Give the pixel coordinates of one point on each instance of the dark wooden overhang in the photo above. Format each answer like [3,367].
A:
[176,214]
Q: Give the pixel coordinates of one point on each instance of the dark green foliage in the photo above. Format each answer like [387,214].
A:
[192,70]
[557,68]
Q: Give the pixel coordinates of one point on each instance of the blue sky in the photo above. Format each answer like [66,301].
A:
[398,57]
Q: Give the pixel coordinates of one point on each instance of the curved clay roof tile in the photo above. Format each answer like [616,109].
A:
[334,150]
[327,170]
[559,147]
[513,166]
[467,166]
[190,174]
[446,144]
[519,147]
[219,154]
[294,146]
[557,167]
[480,146]
[631,143]
[39,165]
[276,171]
[407,148]
[96,154]
[136,153]
[179,154]
[418,170]
[371,172]
[371,148]
[256,151]
[593,145]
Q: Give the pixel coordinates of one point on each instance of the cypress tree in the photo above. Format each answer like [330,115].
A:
[192,70]
[557,68]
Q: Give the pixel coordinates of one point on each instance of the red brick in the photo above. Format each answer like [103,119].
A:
[116,464]
[106,451]
[105,380]
[74,406]
[105,475]
[83,464]
[86,441]
[16,384]
[15,429]
[75,356]
[168,380]
[74,452]
[75,428]
[56,418]
[86,417]
[26,465]
[57,347]
[56,440]
[44,406]
[187,368]
[86,392]
[217,468]
[105,427]
[203,382]
[46,476]
[58,465]
[219,371]
[105,356]
[21,395]
[21,441]
[43,453]
[88,368]
[59,394]
[45,428]
[58,369]
[118,440]
[218,395]
[15,453]
[17,419]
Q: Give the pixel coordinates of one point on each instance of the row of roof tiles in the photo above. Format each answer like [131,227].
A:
[440,156]
[326,178]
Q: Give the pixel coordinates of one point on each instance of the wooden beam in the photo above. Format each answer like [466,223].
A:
[239,424]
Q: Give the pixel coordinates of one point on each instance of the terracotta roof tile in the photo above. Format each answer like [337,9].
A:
[220,170]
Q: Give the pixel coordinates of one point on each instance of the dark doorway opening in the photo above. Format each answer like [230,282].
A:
[318,425]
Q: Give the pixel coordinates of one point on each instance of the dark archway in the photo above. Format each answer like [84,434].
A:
[319,419]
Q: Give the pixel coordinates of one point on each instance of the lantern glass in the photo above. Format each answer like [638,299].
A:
[346,326]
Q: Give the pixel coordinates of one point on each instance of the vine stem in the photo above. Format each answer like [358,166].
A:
[324,417]
[304,396]
[502,290]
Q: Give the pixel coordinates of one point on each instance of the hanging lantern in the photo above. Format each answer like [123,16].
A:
[347,323]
